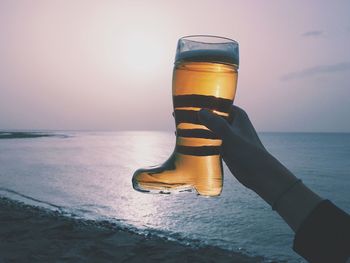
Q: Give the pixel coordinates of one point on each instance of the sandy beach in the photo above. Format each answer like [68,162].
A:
[31,234]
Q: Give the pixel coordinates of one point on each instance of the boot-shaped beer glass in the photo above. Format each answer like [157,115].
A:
[204,76]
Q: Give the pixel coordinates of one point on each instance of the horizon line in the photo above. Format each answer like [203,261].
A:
[146,130]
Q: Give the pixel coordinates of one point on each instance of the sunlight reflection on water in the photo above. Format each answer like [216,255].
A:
[90,175]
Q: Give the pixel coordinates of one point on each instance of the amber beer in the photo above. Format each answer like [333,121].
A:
[204,76]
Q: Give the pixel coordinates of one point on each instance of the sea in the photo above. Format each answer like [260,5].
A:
[88,175]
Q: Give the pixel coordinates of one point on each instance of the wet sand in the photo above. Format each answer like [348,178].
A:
[31,234]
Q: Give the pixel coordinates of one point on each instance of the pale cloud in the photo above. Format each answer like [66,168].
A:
[312,33]
[317,70]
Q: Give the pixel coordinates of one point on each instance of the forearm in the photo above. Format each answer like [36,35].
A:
[295,205]
[279,187]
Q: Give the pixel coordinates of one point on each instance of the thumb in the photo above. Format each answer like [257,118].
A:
[215,123]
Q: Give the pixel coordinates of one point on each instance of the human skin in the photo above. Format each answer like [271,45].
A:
[258,170]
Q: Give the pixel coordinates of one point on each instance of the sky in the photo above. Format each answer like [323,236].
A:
[107,65]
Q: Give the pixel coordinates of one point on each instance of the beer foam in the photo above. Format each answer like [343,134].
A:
[209,55]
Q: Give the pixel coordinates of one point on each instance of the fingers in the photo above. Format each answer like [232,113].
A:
[215,123]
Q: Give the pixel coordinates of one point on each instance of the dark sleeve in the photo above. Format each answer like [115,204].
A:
[324,236]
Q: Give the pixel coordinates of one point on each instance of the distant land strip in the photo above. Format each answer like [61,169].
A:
[24,135]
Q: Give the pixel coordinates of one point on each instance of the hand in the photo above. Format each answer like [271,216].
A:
[257,169]
[242,150]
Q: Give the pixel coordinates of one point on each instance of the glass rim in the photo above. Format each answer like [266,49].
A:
[224,40]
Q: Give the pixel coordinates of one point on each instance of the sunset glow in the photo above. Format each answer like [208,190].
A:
[107,65]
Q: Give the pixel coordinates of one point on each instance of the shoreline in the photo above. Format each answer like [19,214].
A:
[33,234]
